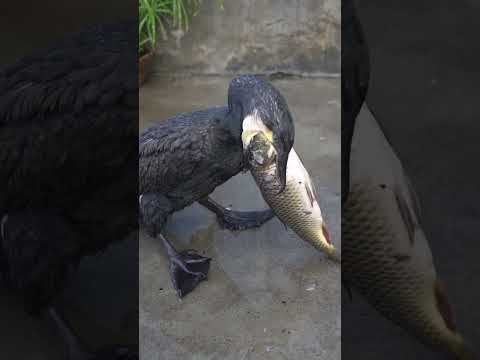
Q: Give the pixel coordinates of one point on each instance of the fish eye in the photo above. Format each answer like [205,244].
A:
[264,157]
[260,157]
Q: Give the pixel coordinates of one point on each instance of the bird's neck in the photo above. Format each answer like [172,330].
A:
[232,126]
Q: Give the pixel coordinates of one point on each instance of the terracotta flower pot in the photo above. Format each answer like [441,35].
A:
[144,67]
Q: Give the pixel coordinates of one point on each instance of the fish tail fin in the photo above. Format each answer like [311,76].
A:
[326,234]
[465,351]
[443,305]
[327,245]
[334,256]
[461,349]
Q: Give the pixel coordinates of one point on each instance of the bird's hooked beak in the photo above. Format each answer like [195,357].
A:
[282,160]
[253,125]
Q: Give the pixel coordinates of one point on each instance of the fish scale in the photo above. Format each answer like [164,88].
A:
[393,284]
[297,206]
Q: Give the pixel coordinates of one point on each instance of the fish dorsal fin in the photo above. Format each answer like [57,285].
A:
[414,198]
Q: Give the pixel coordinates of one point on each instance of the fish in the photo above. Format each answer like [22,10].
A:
[386,256]
[297,206]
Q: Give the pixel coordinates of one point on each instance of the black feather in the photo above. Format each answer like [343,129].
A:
[68,147]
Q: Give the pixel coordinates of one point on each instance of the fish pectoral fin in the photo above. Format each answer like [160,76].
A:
[414,197]
[407,214]
[444,306]
[311,193]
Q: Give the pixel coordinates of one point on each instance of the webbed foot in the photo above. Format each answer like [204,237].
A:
[237,220]
[187,268]
[242,220]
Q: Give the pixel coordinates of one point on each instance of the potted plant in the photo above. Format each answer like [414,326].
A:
[155,17]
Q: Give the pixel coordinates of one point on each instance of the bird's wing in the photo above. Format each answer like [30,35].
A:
[170,153]
[65,104]
[91,67]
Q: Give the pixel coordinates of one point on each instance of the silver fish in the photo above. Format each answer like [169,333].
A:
[386,255]
[297,206]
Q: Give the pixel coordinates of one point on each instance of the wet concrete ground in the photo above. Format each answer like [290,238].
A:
[269,295]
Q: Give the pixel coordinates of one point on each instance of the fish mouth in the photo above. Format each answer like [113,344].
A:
[264,150]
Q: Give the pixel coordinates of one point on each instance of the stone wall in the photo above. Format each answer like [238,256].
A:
[262,36]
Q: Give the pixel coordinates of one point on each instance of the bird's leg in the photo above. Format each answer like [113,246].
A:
[187,268]
[237,220]
[75,349]
[38,248]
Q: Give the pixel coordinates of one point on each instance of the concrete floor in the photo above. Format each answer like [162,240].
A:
[269,295]
[424,91]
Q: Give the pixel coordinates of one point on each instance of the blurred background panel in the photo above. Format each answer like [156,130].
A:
[424,58]
[101,302]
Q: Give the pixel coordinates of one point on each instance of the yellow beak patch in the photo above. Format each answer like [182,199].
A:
[247,135]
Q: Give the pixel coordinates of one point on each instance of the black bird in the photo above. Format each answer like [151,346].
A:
[183,159]
[355,80]
[68,138]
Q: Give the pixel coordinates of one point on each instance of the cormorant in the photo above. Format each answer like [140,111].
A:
[355,79]
[68,137]
[183,159]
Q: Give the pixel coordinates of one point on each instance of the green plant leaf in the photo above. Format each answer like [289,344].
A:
[155,15]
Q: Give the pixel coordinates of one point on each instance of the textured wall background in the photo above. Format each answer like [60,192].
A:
[265,36]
